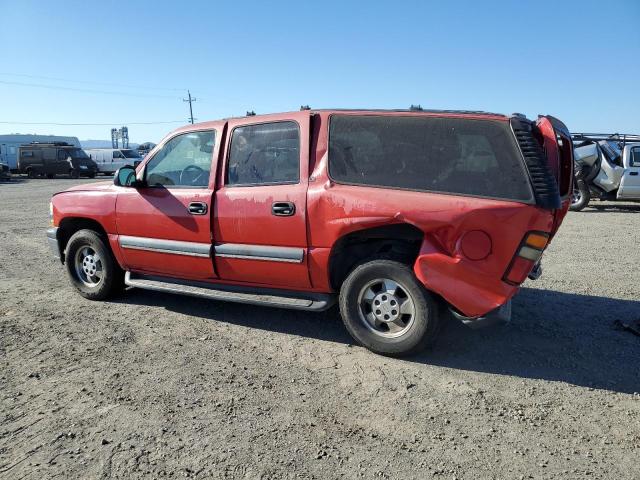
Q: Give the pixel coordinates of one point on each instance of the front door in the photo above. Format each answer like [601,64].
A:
[630,183]
[260,210]
[165,226]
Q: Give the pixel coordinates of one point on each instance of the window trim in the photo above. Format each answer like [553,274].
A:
[406,189]
[143,166]
[262,184]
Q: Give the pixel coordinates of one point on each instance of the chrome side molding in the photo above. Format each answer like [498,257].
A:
[259,252]
[166,246]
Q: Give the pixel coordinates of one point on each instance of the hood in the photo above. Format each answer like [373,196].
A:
[91,187]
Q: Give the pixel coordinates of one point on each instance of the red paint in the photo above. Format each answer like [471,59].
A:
[468,243]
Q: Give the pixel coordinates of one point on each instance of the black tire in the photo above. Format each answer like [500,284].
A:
[51,175]
[31,173]
[580,197]
[73,173]
[92,175]
[111,280]
[418,333]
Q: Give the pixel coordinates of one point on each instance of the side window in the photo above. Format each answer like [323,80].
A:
[27,153]
[62,155]
[268,153]
[117,154]
[635,157]
[49,154]
[185,161]
[449,155]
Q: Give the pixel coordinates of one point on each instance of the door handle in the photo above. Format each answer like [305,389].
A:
[283,209]
[197,208]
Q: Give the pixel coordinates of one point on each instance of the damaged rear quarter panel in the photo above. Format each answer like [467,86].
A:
[474,287]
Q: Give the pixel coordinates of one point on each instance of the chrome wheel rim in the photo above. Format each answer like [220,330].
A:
[576,196]
[89,267]
[386,308]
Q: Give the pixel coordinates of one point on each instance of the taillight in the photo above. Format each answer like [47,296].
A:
[528,254]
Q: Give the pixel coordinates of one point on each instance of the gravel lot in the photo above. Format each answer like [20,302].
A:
[166,386]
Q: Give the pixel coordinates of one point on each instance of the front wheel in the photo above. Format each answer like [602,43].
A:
[91,266]
[73,173]
[580,197]
[386,309]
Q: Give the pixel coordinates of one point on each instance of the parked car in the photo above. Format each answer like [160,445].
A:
[111,159]
[5,172]
[399,216]
[57,158]
[607,167]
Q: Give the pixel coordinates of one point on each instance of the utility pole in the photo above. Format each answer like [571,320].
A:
[190,107]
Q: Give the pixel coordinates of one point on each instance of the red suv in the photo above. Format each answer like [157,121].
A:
[400,216]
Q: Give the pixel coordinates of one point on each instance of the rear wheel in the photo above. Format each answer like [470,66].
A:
[91,266]
[51,175]
[386,309]
[31,173]
[580,197]
[73,173]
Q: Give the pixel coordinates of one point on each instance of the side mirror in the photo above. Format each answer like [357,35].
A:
[125,177]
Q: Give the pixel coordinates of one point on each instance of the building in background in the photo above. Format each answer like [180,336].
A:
[9,145]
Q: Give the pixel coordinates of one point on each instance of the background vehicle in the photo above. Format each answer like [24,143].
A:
[51,159]
[607,167]
[9,145]
[5,172]
[109,160]
[398,215]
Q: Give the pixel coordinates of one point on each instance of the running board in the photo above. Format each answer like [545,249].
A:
[229,293]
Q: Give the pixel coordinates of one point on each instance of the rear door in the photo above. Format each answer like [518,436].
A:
[260,208]
[630,183]
[165,226]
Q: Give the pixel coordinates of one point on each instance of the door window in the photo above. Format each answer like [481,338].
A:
[117,154]
[184,161]
[62,155]
[635,157]
[264,154]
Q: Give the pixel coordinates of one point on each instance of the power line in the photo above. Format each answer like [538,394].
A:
[90,82]
[91,124]
[85,90]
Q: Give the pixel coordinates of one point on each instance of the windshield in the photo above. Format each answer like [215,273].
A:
[130,153]
[77,153]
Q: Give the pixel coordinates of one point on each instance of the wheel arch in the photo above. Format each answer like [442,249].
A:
[70,225]
[399,242]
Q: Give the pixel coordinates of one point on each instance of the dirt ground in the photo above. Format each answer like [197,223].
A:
[160,386]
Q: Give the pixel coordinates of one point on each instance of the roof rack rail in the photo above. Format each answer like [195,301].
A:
[57,144]
[621,138]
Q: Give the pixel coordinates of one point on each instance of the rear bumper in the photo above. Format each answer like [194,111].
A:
[500,315]
[52,239]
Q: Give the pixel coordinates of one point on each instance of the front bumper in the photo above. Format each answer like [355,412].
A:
[500,315]
[52,238]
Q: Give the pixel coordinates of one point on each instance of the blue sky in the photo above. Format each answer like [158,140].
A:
[577,60]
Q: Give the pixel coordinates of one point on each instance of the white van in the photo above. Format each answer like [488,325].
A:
[111,159]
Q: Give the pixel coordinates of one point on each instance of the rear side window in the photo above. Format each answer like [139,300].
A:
[449,155]
[268,153]
[49,153]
